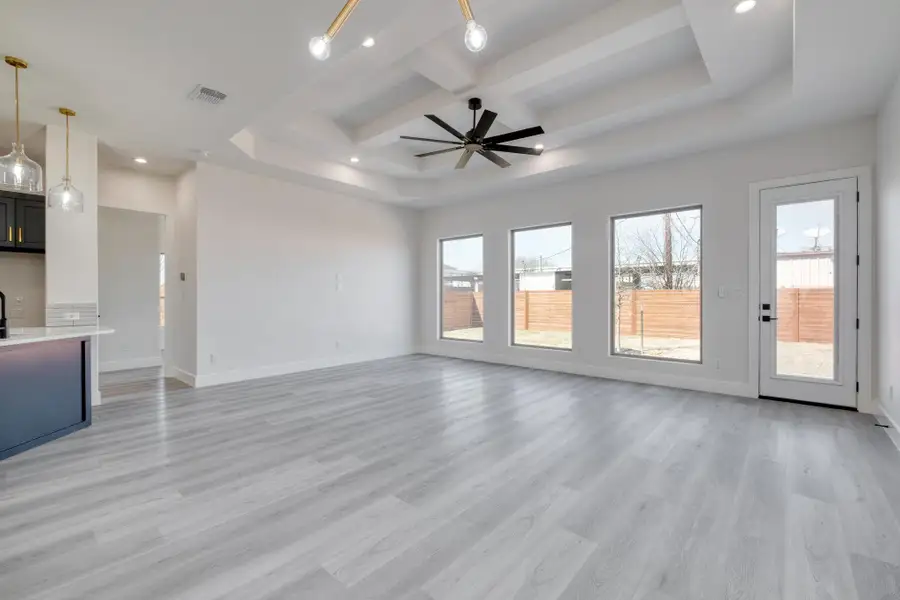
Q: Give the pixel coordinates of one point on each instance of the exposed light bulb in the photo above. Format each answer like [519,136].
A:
[320,47]
[140,160]
[17,170]
[354,159]
[538,146]
[744,6]
[476,37]
[368,42]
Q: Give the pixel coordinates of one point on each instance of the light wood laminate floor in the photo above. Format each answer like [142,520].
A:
[144,384]
[425,478]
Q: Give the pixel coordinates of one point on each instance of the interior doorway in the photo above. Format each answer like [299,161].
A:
[130,247]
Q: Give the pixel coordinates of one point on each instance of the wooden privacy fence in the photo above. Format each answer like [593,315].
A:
[804,315]
[462,310]
[544,311]
[667,313]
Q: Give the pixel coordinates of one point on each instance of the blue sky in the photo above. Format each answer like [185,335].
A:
[794,224]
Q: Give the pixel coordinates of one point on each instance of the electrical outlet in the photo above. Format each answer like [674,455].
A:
[718,364]
[338,282]
[212,359]
[72,316]
[337,345]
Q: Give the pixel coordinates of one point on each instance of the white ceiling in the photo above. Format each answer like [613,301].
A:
[614,83]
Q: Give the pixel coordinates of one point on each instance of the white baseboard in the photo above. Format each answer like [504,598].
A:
[131,363]
[184,377]
[893,432]
[729,388]
[96,398]
[239,375]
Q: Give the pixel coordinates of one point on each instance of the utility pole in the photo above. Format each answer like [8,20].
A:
[670,279]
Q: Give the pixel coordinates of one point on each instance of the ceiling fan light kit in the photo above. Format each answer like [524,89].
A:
[475,140]
[320,46]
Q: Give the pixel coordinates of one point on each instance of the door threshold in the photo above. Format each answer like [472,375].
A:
[807,403]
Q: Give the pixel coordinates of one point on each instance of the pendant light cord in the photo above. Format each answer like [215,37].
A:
[67,147]
[18,141]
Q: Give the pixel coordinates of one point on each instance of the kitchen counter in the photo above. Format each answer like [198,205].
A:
[30,335]
[45,385]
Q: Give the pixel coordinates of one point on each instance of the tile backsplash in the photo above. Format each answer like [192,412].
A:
[61,315]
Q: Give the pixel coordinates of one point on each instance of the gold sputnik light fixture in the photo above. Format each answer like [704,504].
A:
[65,196]
[17,171]
[320,47]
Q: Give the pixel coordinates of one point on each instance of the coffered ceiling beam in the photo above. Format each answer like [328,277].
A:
[614,29]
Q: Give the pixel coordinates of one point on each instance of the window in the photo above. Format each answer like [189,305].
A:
[462,289]
[542,287]
[656,300]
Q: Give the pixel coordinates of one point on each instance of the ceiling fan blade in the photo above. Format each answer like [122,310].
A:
[437,121]
[464,159]
[436,152]
[418,139]
[515,149]
[500,162]
[484,124]
[514,135]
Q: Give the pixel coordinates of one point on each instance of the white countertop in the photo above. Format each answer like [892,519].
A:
[31,335]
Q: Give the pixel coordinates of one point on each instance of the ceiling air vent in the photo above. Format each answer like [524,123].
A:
[207,95]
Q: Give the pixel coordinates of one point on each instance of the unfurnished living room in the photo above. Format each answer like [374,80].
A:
[450,300]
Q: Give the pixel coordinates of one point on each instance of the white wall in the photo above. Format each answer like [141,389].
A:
[718,180]
[888,219]
[132,190]
[129,247]
[72,238]
[181,296]
[292,278]
[22,280]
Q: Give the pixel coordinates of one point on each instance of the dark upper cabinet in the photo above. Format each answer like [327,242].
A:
[31,226]
[7,223]
[23,222]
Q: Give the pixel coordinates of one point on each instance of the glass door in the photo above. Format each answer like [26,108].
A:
[808,292]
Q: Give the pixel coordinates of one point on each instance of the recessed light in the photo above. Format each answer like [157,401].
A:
[538,146]
[140,160]
[744,6]
[368,42]
[354,159]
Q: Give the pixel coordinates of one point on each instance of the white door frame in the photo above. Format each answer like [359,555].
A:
[866,402]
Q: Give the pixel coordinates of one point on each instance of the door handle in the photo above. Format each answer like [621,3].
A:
[20,235]
[767,318]
[9,234]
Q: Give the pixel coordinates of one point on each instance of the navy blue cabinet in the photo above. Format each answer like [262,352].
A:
[23,222]
[7,223]
[44,392]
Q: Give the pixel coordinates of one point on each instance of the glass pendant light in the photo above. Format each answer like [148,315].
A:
[65,196]
[476,36]
[18,172]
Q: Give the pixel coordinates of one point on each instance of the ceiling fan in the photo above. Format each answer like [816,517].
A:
[475,140]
